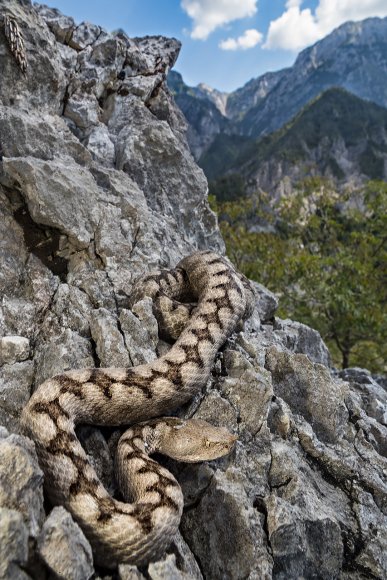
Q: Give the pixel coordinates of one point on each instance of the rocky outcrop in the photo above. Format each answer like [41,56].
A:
[96,187]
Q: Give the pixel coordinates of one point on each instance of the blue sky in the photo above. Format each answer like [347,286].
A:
[226,42]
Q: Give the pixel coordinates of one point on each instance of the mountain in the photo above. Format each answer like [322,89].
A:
[336,135]
[203,108]
[252,94]
[354,57]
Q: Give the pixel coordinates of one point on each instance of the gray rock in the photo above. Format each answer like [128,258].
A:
[14,349]
[85,35]
[140,329]
[185,560]
[267,302]
[128,572]
[371,396]
[44,83]
[109,341]
[100,145]
[64,548]
[167,568]
[225,522]
[298,337]
[62,26]
[15,388]
[21,481]
[28,133]
[309,389]
[249,390]
[67,350]
[45,182]
[13,545]
[99,454]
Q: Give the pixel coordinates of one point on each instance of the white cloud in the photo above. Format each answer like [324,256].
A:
[247,40]
[297,28]
[207,15]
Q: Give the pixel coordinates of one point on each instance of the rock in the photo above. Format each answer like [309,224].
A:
[67,350]
[298,337]
[140,329]
[13,545]
[15,388]
[184,558]
[309,389]
[43,85]
[373,552]
[64,548]
[45,182]
[166,568]
[85,35]
[128,572]
[371,397]
[100,145]
[62,26]
[293,524]
[99,454]
[110,345]
[225,522]
[249,390]
[21,481]
[14,349]
[267,302]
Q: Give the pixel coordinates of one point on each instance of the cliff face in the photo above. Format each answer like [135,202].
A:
[96,187]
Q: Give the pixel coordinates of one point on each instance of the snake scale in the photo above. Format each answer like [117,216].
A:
[139,531]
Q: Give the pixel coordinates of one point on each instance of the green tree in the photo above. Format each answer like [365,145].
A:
[326,258]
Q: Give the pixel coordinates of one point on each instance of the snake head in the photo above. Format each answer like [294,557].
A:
[193,440]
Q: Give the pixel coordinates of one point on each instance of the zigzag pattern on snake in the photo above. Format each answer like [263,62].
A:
[139,531]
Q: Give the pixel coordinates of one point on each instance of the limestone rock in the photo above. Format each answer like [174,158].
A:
[63,352]
[129,572]
[141,332]
[14,349]
[166,569]
[45,182]
[13,545]
[64,548]
[21,481]
[226,522]
[15,388]
[300,338]
[110,344]
[267,302]
[308,389]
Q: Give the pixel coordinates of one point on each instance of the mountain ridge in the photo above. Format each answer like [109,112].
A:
[353,57]
[336,135]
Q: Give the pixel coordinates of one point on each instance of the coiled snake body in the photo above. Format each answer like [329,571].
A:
[140,531]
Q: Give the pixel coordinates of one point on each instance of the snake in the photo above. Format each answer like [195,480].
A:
[198,304]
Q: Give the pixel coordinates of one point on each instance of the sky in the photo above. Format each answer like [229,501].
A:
[225,43]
